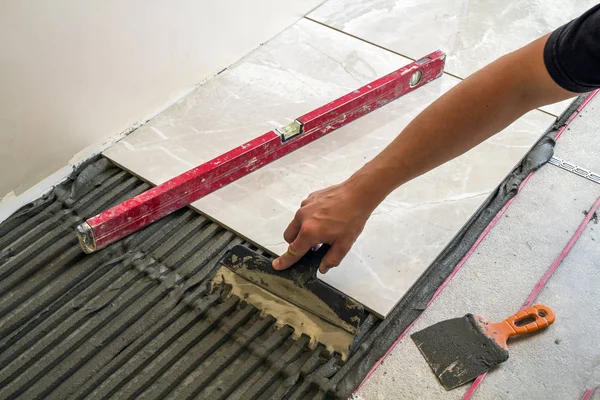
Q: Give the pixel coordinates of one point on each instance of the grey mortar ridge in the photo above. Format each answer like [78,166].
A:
[169,280]
[302,367]
[153,343]
[170,360]
[254,388]
[129,277]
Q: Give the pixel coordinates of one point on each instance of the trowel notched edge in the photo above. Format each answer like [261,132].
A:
[295,288]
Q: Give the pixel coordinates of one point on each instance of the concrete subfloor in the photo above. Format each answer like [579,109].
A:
[561,362]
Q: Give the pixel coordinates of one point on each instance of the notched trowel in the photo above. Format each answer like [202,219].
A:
[294,296]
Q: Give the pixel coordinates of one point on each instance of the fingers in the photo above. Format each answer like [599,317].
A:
[292,230]
[334,256]
[295,251]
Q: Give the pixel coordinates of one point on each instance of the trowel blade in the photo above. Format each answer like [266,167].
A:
[294,296]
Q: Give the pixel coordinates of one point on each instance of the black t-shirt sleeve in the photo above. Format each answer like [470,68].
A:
[572,53]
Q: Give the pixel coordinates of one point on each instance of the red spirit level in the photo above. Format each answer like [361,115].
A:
[145,208]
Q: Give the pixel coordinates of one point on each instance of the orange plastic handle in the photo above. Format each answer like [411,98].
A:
[528,320]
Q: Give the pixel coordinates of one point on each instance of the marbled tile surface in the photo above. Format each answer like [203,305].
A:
[302,68]
[472,33]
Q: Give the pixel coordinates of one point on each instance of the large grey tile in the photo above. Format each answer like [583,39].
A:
[495,281]
[472,33]
[302,68]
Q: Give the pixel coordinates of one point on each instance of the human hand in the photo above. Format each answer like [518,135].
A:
[336,216]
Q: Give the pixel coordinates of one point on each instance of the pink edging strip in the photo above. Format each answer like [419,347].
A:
[561,256]
[542,282]
[589,393]
[466,257]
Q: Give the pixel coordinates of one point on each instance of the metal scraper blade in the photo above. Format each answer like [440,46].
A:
[458,351]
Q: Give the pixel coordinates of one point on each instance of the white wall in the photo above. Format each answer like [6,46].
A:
[76,72]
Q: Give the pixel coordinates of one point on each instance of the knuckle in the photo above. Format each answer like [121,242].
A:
[292,249]
[295,250]
[334,262]
[309,230]
[288,237]
[345,247]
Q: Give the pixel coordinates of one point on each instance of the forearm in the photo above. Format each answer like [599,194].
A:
[471,112]
[474,110]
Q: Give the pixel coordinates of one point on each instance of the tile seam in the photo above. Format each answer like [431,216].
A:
[372,44]
[396,53]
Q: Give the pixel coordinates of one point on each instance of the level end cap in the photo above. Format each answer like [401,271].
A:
[85,234]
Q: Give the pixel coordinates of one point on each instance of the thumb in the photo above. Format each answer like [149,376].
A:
[295,251]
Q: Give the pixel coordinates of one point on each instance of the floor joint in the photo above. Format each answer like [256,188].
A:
[575,169]
[396,53]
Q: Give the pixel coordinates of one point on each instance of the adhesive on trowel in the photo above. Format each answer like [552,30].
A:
[294,296]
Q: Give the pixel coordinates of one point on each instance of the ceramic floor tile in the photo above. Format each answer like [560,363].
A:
[472,33]
[303,68]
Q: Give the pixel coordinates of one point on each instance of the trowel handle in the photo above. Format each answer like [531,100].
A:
[528,320]
[313,259]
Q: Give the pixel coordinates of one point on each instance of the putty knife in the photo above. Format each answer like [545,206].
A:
[459,350]
[295,296]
